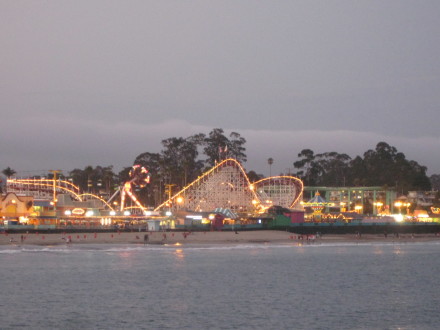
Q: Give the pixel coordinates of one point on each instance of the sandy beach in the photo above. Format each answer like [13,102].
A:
[209,237]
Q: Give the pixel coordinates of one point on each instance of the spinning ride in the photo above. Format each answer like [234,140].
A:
[317,203]
[139,177]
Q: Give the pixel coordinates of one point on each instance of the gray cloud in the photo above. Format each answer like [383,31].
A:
[98,82]
[67,144]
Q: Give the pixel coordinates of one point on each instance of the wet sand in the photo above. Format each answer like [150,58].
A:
[242,237]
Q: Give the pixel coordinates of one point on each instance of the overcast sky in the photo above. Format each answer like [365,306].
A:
[99,82]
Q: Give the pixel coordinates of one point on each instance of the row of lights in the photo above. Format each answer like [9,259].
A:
[90,213]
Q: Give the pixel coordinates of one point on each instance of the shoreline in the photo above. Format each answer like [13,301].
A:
[208,237]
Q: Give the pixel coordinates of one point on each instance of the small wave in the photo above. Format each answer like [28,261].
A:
[47,249]
[9,251]
[366,243]
[116,248]
[34,250]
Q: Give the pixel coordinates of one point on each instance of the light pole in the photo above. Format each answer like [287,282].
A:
[55,172]
[270,162]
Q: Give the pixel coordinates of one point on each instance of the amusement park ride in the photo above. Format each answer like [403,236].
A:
[226,185]
[139,177]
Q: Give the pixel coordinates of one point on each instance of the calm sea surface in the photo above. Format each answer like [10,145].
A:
[255,286]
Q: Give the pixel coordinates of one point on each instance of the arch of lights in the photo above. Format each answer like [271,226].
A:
[284,191]
[226,185]
[44,188]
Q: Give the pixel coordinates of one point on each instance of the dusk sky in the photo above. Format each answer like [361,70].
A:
[99,82]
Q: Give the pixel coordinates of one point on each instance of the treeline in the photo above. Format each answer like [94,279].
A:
[383,166]
[182,160]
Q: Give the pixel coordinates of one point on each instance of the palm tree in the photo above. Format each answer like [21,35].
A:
[270,162]
[8,172]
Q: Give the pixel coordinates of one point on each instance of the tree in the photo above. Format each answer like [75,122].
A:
[215,145]
[109,177]
[98,180]
[253,176]
[386,166]
[236,147]
[124,175]
[180,161]
[334,167]
[420,180]
[218,147]
[309,169]
[153,162]
[357,172]
[8,172]
[270,162]
[383,166]
[78,178]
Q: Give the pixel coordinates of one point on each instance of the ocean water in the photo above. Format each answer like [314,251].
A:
[254,286]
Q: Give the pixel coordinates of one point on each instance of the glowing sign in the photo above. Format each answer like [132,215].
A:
[78,211]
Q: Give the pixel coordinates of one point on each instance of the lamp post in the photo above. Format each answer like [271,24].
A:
[55,172]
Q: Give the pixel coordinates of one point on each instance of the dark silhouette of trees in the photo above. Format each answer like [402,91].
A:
[218,147]
[236,147]
[215,146]
[179,159]
[253,176]
[386,166]
[310,170]
[334,168]
[383,166]
[326,169]
[97,180]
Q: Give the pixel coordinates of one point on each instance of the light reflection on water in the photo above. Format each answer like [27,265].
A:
[179,253]
[340,286]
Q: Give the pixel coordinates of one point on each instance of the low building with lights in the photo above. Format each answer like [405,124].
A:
[362,200]
[14,206]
